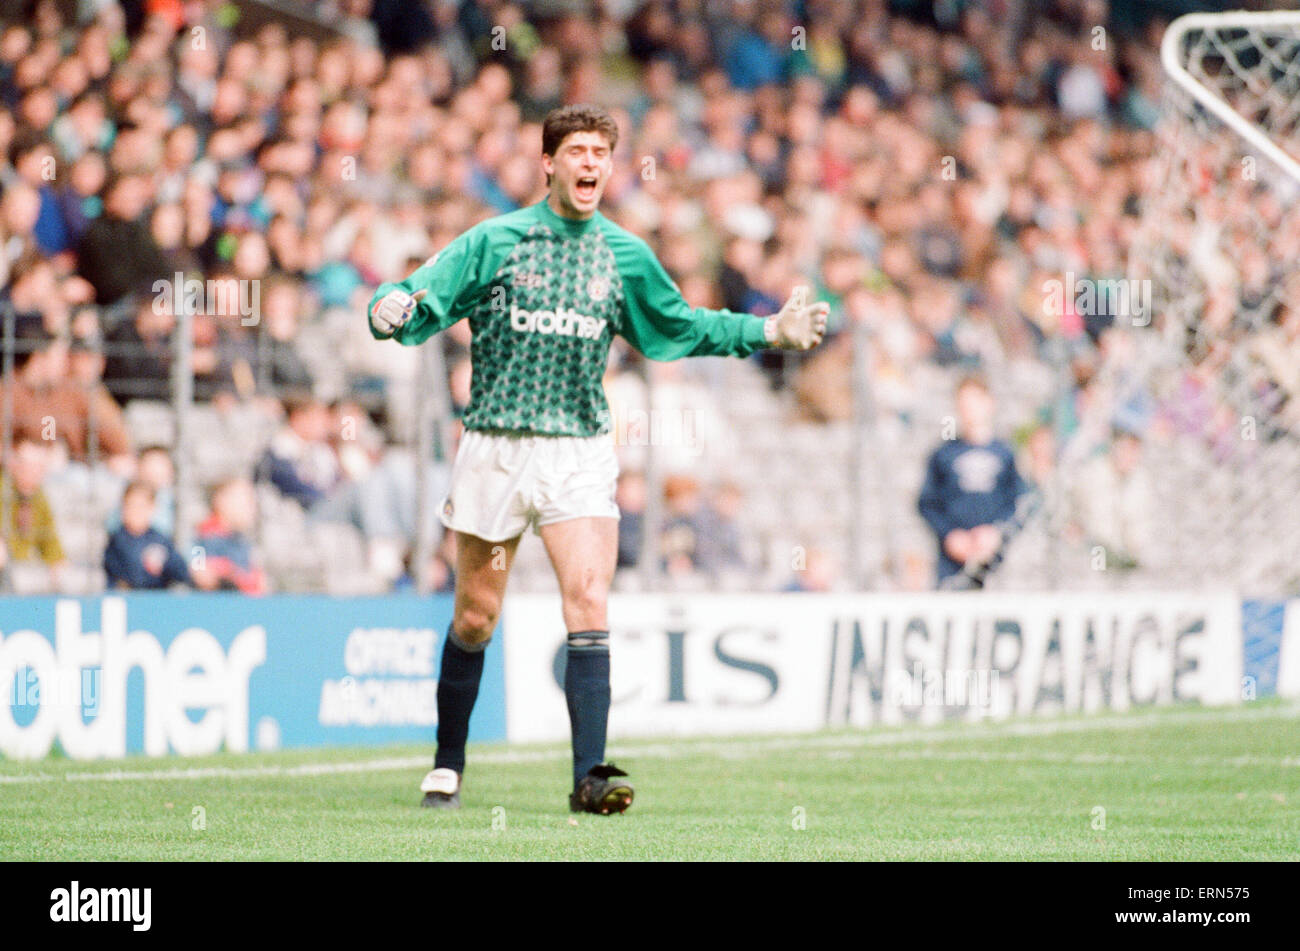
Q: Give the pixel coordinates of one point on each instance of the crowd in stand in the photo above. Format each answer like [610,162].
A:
[928,175]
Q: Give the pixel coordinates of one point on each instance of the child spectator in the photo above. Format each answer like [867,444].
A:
[139,557]
[155,467]
[223,537]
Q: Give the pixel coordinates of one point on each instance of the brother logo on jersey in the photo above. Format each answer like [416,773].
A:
[564,321]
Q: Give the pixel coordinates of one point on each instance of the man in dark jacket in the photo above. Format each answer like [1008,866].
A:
[118,254]
[299,461]
[138,353]
[971,485]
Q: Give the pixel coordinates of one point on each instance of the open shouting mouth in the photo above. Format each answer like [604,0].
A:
[584,189]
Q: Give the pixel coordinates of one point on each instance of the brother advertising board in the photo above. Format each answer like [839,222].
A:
[195,674]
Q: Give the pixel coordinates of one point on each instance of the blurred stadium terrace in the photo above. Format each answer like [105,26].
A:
[931,168]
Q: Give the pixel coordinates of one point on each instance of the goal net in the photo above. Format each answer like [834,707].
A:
[1219,363]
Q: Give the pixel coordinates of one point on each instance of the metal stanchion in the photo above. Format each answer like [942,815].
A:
[183,404]
[92,466]
[652,518]
[7,428]
[866,433]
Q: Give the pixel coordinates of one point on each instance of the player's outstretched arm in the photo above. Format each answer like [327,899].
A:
[436,294]
[661,325]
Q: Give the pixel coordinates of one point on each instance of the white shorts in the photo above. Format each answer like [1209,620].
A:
[502,483]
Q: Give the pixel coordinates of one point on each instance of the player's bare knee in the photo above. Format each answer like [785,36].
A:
[474,625]
[587,602]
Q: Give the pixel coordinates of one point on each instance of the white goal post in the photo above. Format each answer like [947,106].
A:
[1216,373]
[1209,25]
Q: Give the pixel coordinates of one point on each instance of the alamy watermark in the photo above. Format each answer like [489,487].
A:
[1128,300]
[220,297]
[941,688]
[78,903]
[62,688]
[634,426]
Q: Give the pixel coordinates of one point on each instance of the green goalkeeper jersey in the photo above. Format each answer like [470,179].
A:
[544,296]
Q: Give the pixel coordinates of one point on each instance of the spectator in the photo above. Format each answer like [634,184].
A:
[167,226]
[154,465]
[758,55]
[377,491]
[29,538]
[630,496]
[117,254]
[85,127]
[823,384]
[299,461]
[1039,461]
[280,367]
[223,537]
[1113,501]
[140,558]
[971,485]
[402,27]
[33,293]
[820,572]
[47,397]
[33,158]
[20,206]
[139,352]
[683,527]
[217,359]
[721,549]
[439,574]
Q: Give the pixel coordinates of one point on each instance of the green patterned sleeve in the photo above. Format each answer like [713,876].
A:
[453,278]
[659,322]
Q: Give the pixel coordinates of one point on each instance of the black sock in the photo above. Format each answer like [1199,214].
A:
[458,679]
[586,690]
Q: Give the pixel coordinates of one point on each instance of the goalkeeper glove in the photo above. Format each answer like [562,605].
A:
[393,310]
[799,325]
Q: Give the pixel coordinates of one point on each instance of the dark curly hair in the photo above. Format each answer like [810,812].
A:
[566,120]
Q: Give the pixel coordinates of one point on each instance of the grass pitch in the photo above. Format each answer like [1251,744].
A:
[1170,785]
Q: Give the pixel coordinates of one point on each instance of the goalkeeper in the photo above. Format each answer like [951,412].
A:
[545,289]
